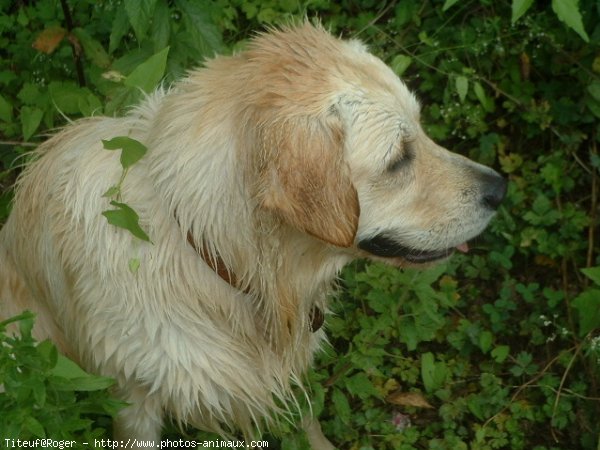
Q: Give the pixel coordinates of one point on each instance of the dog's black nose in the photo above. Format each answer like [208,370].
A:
[493,189]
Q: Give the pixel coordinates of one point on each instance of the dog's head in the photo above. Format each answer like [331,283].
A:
[345,159]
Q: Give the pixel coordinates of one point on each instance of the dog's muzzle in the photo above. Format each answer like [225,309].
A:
[492,190]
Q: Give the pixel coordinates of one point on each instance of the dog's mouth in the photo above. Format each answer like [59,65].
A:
[383,246]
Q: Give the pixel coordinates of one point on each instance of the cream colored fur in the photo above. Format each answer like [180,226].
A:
[275,160]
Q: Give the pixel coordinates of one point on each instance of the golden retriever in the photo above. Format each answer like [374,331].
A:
[266,173]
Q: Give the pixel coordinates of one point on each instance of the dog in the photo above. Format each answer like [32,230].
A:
[266,172]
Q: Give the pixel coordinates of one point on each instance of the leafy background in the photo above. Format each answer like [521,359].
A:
[498,349]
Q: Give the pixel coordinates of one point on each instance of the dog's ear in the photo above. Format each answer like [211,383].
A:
[305,179]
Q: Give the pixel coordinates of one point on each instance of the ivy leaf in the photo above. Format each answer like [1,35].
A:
[520,7]
[568,12]
[125,217]
[148,74]
[131,150]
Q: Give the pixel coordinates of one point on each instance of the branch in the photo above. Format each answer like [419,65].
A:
[76,53]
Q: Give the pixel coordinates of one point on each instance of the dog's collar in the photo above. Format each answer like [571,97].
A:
[216,263]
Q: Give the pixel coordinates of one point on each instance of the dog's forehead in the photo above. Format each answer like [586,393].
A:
[369,77]
[311,59]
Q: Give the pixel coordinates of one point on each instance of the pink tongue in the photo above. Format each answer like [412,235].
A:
[463,248]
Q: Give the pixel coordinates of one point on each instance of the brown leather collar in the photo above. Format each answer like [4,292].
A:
[216,264]
[316,316]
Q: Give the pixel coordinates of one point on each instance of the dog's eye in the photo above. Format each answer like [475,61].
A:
[404,158]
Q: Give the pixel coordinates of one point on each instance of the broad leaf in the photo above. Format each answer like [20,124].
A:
[131,150]
[31,118]
[587,305]
[449,4]
[92,48]
[462,87]
[568,12]
[400,63]
[140,13]
[592,273]
[147,75]
[520,7]
[125,217]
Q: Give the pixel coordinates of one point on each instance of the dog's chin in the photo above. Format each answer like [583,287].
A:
[382,248]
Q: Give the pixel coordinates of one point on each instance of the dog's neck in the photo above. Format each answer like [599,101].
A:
[216,263]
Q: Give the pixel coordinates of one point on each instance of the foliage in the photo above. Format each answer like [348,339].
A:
[47,395]
[500,348]
[124,216]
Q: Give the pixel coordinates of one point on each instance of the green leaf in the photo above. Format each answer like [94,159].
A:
[400,63]
[485,341]
[68,376]
[147,75]
[131,150]
[67,96]
[112,192]
[587,305]
[161,27]
[361,386]
[47,350]
[92,48]
[486,102]
[593,273]
[119,29]
[341,405]
[25,315]
[433,374]
[140,14]
[5,110]
[500,353]
[26,325]
[68,369]
[88,383]
[462,87]
[31,117]
[449,4]
[89,104]
[29,94]
[520,7]
[568,12]
[594,90]
[125,217]
[34,427]
[134,265]
[205,35]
